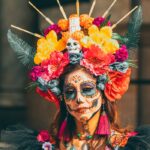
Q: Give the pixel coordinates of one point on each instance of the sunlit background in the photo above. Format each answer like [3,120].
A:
[19,105]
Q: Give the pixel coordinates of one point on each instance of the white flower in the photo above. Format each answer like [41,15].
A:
[47,146]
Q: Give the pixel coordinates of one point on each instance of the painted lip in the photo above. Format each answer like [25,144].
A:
[82,110]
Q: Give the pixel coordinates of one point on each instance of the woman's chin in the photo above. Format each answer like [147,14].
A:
[82,116]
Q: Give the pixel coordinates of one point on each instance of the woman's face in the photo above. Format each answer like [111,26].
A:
[81,96]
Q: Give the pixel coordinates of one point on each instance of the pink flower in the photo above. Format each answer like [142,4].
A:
[43,136]
[54,66]
[97,62]
[99,20]
[35,73]
[122,54]
[52,27]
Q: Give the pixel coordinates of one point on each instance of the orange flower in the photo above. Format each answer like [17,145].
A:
[83,19]
[86,21]
[118,85]
[78,35]
[63,24]
[65,36]
[73,15]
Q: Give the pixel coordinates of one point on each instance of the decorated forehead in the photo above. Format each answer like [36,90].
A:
[81,39]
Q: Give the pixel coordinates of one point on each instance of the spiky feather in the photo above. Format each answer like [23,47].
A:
[24,51]
[133,29]
[131,38]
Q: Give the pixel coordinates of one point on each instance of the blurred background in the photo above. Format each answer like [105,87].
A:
[18,105]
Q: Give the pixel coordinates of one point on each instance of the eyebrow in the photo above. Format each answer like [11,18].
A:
[67,86]
[88,83]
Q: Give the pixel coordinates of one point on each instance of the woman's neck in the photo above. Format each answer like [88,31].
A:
[88,126]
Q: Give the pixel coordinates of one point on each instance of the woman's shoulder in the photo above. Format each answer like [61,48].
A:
[18,137]
[138,139]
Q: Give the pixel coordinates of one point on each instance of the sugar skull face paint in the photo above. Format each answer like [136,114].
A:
[82,99]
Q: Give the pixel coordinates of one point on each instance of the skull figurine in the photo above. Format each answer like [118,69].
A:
[73,46]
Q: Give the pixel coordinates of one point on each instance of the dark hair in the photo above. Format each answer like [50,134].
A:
[111,110]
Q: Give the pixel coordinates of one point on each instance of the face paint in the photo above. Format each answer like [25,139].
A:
[82,99]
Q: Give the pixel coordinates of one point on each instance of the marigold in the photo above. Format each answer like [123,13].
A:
[63,24]
[65,36]
[83,19]
[77,35]
[93,29]
[86,21]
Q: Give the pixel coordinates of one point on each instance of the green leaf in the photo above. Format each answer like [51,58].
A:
[105,22]
[23,50]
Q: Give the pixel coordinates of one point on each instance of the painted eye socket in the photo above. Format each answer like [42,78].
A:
[88,91]
[75,44]
[68,44]
[70,94]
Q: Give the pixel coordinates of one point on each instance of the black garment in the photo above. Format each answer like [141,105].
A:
[20,138]
[139,142]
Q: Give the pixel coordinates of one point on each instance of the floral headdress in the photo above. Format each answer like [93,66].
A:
[80,39]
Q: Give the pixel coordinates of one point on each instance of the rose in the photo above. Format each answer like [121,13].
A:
[43,136]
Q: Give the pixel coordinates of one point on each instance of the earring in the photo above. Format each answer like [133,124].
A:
[103,127]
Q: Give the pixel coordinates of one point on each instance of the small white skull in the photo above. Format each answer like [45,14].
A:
[73,46]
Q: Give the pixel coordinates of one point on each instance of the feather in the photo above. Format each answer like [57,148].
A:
[133,35]
[24,51]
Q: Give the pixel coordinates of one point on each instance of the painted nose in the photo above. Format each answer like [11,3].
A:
[79,98]
[79,101]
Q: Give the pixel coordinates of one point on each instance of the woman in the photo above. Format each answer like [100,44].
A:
[82,105]
[84,68]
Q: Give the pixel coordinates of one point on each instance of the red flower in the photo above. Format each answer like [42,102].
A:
[35,73]
[96,60]
[54,66]
[43,136]
[118,85]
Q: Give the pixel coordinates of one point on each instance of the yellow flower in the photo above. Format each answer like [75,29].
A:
[93,30]
[46,45]
[86,41]
[106,32]
[101,37]
[110,46]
